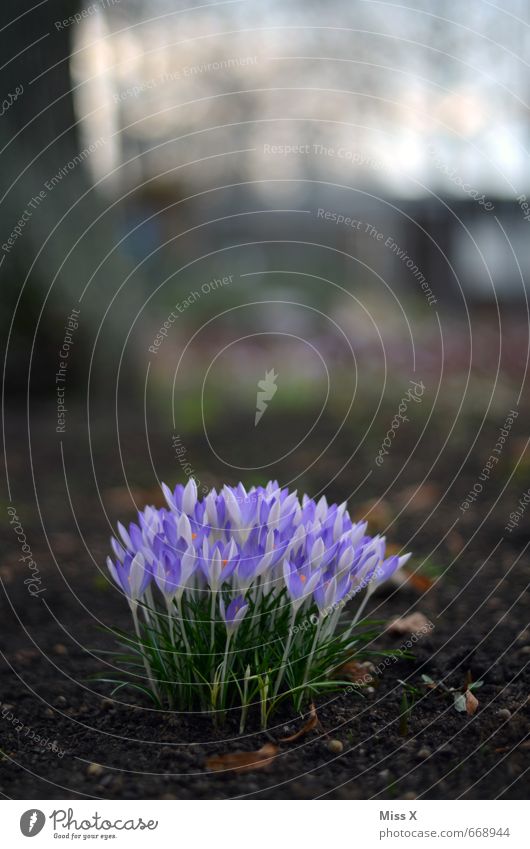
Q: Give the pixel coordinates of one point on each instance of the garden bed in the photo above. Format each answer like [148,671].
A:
[94,747]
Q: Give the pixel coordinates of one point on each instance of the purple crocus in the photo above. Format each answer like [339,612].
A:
[300,583]
[172,570]
[286,565]
[234,614]
[132,576]
[254,543]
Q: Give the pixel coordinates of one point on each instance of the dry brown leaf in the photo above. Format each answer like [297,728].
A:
[420,582]
[471,703]
[243,761]
[123,499]
[408,624]
[378,513]
[311,723]
[63,543]
[24,657]
[455,543]
[358,673]
[420,497]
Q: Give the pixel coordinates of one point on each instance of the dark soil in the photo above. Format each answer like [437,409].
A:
[112,749]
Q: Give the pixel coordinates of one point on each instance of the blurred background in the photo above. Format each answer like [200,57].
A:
[195,196]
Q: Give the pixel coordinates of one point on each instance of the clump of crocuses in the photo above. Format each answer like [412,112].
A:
[239,599]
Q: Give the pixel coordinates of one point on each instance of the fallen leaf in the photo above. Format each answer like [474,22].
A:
[460,702]
[358,673]
[420,497]
[311,723]
[63,543]
[378,513]
[471,702]
[409,624]
[243,761]
[24,657]
[417,580]
[421,583]
[455,543]
[124,499]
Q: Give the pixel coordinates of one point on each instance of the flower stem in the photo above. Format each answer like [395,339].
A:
[224,669]
[360,610]
[183,626]
[212,621]
[170,621]
[311,655]
[285,654]
[244,704]
[134,611]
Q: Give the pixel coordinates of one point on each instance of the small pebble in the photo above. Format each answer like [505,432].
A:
[49,713]
[409,796]
[424,753]
[335,746]
[60,649]
[94,770]
[504,713]
[369,691]
[384,774]
[60,701]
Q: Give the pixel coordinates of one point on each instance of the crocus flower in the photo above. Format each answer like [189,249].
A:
[132,576]
[173,570]
[193,570]
[234,614]
[299,582]
[265,540]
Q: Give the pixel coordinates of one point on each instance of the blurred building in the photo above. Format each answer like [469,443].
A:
[237,122]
